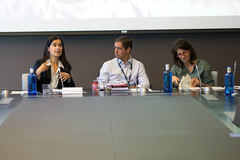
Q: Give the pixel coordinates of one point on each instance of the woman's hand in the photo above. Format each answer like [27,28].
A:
[195,82]
[64,76]
[175,80]
[41,69]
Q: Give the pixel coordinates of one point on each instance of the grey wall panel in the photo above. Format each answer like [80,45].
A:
[87,53]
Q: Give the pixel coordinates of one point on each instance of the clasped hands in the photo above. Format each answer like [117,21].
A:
[194,81]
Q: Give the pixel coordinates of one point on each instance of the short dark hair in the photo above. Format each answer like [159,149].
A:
[62,58]
[185,45]
[126,41]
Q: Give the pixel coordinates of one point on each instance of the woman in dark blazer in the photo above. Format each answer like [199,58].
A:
[53,68]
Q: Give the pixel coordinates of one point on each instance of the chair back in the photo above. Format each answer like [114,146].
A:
[215,77]
[25,81]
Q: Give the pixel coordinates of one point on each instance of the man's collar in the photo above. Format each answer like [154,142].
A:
[128,62]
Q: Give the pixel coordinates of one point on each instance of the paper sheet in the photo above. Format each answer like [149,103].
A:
[6,100]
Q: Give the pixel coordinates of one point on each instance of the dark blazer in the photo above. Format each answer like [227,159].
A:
[46,77]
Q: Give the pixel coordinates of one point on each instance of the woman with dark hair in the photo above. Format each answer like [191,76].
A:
[186,62]
[53,68]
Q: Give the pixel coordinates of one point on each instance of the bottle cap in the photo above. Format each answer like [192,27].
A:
[94,81]
[228,69]
[31,70]
[167,67]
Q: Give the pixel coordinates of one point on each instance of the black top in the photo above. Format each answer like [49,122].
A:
[46,77]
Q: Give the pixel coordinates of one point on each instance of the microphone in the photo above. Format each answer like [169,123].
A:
[234,69]
[60,76]
[134,81]
[199,77]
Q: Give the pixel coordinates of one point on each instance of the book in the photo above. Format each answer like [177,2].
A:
[119,87]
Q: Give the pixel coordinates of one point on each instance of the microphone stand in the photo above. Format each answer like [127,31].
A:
[60,76]
[199,79]
[234,69]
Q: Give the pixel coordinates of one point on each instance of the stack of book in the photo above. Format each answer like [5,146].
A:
[119,87]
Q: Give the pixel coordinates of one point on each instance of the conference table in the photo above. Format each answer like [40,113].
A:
[119,126]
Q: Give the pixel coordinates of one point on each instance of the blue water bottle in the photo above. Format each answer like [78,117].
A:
[167,79]
[32,82]
[229,82]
